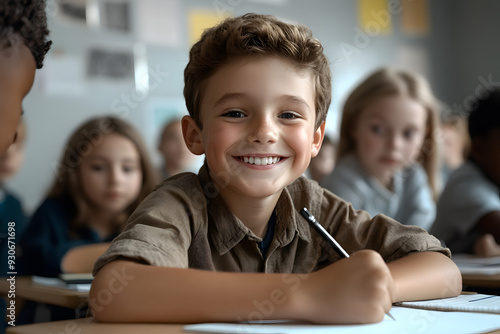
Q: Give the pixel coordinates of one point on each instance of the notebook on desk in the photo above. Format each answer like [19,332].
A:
[72,282]
[86,278]
[463,303]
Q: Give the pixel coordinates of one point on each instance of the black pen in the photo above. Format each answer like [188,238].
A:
[328,238]
[323,233]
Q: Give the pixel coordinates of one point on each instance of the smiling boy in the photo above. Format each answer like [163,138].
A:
[273,124]
[23,45]
[218,245]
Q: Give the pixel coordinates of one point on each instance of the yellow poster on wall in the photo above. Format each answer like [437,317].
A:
[199,20]
[374,17]
[415,17]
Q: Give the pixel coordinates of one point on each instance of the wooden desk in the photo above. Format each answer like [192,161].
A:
[89,326]
[26,289]
[481,281]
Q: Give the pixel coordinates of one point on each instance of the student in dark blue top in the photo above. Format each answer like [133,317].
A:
[104,173]
[49,237]
[12,217]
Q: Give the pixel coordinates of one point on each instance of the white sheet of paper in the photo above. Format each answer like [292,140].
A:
[408,321]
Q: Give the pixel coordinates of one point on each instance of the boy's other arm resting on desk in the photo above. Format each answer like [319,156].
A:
[425,275]
[339,293]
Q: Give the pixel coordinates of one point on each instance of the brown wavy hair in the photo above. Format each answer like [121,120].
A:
[25,19]
[387,82]
[251,35]
[68,185]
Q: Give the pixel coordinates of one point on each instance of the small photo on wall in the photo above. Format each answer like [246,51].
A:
[110,64]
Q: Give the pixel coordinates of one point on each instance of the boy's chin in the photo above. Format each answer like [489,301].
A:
[260,189]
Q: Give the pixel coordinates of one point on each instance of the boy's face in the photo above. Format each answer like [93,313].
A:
[258,119]
[17,72]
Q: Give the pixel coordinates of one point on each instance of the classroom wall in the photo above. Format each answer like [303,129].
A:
[476,50]
[463,44]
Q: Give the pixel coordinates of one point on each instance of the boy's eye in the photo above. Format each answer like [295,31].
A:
[288,115]
[234,114]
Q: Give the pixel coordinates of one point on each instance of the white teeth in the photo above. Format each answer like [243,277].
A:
[261,161]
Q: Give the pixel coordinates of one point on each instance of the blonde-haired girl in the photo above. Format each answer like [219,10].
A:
[387,151]
[104,173]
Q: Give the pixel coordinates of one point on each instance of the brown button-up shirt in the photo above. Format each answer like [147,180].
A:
[184,223]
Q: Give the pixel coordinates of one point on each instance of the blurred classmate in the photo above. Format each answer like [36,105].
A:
[468,211]
[324,163]
[387,155]
[23,45]
[12,217]
[104,173]
[176,156]
[455,144]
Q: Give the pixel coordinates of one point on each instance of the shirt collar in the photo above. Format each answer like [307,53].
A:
[289,221]
[226,230]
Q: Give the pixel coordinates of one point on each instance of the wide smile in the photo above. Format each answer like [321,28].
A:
[260,161]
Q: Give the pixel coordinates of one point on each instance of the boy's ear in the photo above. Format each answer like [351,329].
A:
[317,140]
[192,135]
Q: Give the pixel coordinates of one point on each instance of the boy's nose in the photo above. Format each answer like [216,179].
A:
[263,131]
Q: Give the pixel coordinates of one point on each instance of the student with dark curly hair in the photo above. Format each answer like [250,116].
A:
[23,45]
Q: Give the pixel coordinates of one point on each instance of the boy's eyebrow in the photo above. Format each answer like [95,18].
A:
[289,98]
[296,100]
[228,97]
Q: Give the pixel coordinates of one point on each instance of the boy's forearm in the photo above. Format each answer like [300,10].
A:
[425,275]
[124,291]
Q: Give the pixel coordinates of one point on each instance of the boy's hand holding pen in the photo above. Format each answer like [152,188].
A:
[365,282]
